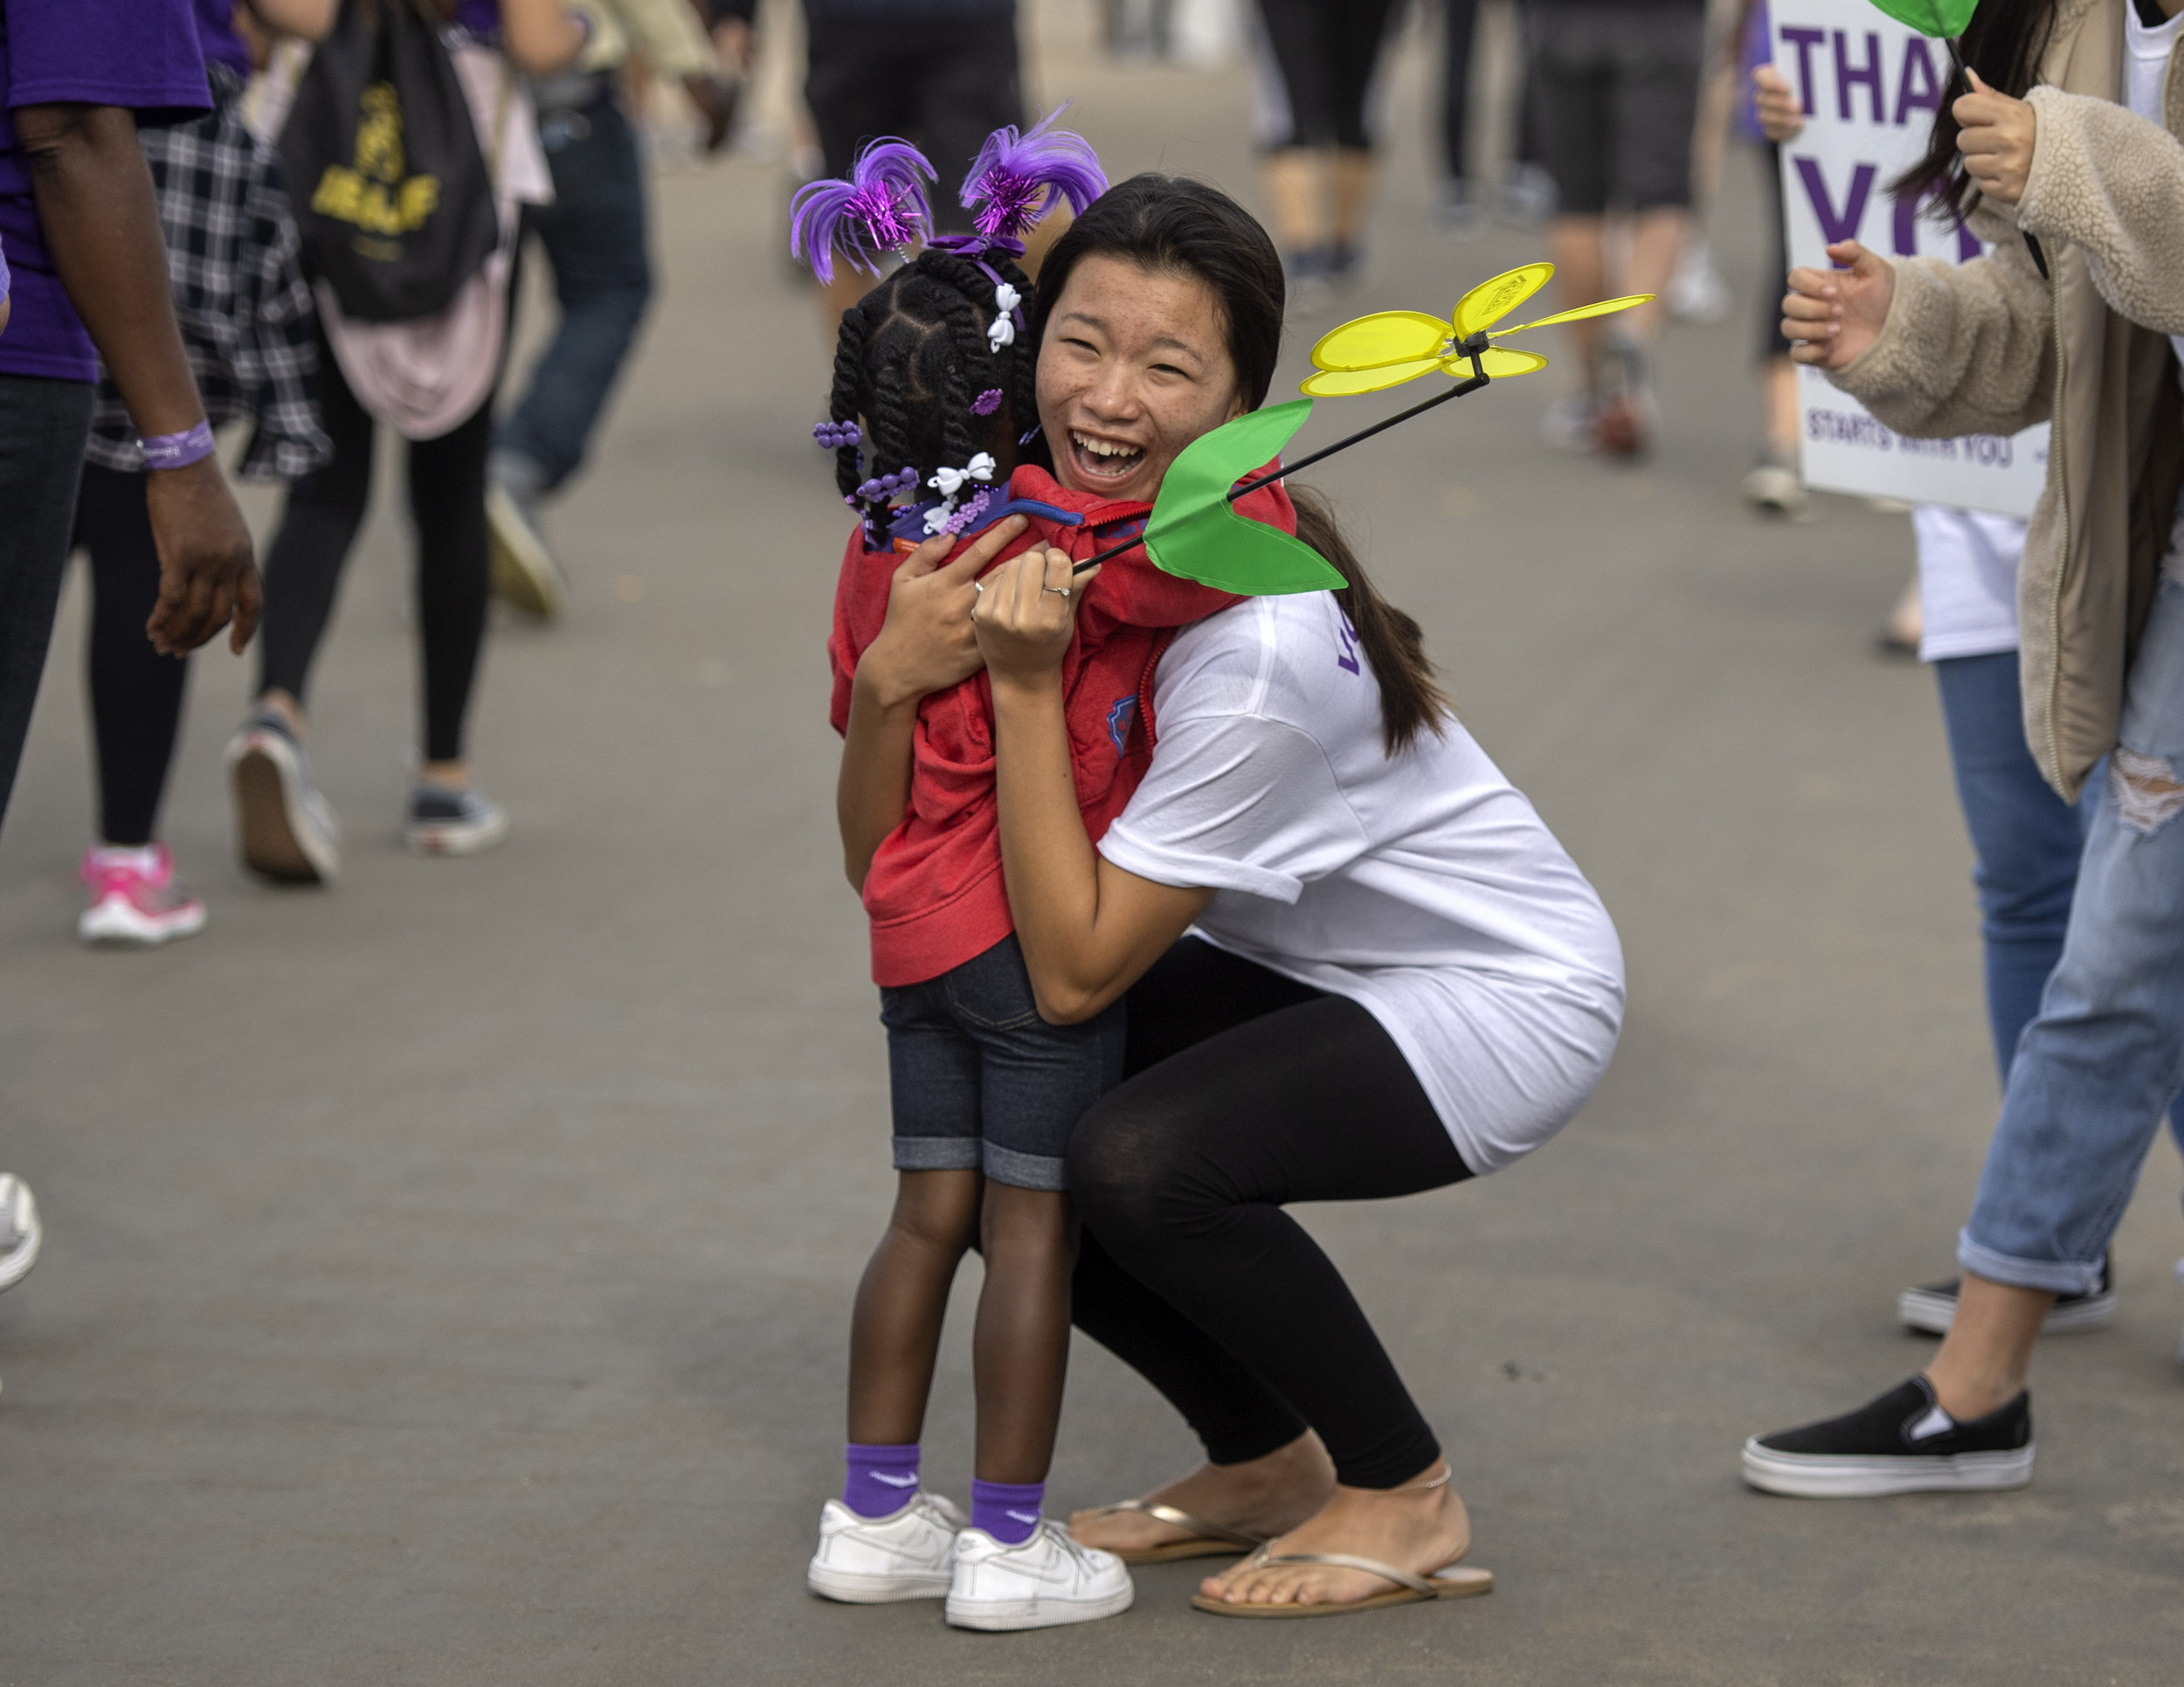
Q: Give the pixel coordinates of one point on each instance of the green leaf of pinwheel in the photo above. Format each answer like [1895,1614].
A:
[1195,532]
[1939,18]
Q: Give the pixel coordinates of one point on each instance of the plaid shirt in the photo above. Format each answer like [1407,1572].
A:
[240,295]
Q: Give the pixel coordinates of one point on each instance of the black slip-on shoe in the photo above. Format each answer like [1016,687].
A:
[1901,1444]
[1933,1307]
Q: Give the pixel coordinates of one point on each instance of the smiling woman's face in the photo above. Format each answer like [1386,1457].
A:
[1134,367]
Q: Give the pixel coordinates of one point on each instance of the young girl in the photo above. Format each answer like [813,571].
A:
[933,399]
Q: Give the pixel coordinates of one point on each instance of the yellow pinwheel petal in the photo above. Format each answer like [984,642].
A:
[1499,362]
[1489,302]
[1385,337]
[1605,308]
[1348,382]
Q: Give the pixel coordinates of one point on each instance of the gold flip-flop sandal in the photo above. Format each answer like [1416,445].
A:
[1206,1539]
[1452,1581]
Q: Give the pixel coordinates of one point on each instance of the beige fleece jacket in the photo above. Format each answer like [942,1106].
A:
[1989,347]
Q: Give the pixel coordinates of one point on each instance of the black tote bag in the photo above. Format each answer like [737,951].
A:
[391,192]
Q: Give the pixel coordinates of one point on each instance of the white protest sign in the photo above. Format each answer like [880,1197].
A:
[1870,87]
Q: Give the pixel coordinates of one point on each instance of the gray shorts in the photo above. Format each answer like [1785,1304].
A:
[1615,91]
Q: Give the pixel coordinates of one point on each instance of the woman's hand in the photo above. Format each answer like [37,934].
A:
[1996,134]
[1025,615]
[926,644]
[1781,118]
[1831,316]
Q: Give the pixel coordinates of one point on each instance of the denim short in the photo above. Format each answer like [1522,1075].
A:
[981,1082]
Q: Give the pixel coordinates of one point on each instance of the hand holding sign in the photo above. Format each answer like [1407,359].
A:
[1997,135]
[1832,315]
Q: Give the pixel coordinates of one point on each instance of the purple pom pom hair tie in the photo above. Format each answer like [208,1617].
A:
[987,402]
[880,209]
[1016,178]
[834,435]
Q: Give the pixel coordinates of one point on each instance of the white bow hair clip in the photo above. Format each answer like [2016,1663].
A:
[1001,331]
[950,480]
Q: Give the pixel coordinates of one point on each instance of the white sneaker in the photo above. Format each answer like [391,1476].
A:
[21,1234]
[1040,1583]
[876,1560]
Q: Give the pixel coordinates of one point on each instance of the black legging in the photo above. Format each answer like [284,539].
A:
[135,692]
[1244,1091]
[447,502]
[1326,50]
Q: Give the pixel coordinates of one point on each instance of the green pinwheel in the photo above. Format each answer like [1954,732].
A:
[1195,530]
[1945,18]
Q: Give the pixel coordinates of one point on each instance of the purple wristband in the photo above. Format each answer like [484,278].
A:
[178,450]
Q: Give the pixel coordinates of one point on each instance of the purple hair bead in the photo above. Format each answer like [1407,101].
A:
[881,207]
[1016,178]
[987,402]
[834,435]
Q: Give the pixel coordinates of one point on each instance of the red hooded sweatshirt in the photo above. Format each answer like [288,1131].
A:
[935,893]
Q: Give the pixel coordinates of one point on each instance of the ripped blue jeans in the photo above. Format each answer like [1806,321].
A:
[2105,1058]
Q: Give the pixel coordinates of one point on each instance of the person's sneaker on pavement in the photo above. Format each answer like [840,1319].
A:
[442,819]
[1933,1307]
[908,1554]
[1623,424]
[526,573]
[1042,1582]
[1460,209]
[21,1234]
[1901,1444]
[134,899]
[284,829]
[1773,484]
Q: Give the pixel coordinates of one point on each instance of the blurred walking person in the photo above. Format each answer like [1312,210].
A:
[942,74]
[1617,85]
[595,236]
[1320,164]
[245,316]
[431,378]
[85,280]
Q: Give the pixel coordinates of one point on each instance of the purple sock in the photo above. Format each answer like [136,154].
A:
[881,1480]
[1008,1511]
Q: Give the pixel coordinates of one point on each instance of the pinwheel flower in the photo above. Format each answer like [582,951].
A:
[1391,347]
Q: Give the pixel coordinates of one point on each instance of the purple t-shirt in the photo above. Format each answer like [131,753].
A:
[218,37]
[141,54]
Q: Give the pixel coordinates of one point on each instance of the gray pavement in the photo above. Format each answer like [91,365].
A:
[447,1274]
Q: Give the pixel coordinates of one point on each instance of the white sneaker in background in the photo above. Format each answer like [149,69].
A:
[21,1234]
[878,1560]
[1697,291]
[1040,1583]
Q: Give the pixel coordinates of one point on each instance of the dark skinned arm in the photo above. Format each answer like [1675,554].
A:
[102,222]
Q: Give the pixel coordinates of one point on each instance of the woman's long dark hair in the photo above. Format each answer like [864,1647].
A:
[1170,224]
[2004,42]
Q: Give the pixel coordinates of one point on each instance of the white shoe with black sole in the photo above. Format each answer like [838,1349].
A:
[1901,1444]
[881,1560]
[1933,1307]
[1044,1582]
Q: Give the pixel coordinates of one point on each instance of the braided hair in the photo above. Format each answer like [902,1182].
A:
[912,357]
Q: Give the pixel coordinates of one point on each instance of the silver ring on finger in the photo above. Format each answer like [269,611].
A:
[1059,591]
[978,586]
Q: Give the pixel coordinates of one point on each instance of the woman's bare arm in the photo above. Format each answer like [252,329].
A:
[1089,930]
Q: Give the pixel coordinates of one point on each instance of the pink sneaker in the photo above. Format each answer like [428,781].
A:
[136,900]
